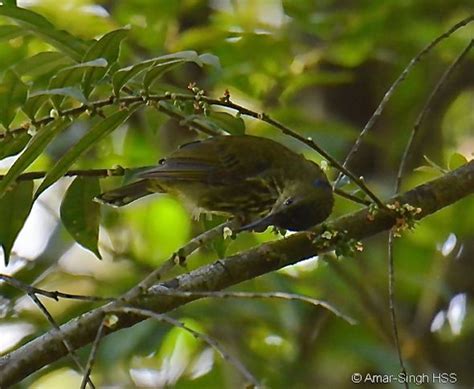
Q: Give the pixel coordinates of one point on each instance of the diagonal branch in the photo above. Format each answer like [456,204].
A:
[48,348]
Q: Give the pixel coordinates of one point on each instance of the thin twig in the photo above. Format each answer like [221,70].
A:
[351,197]
[391,303]
[93,353]
[101,173]
[69,347]
[159,290]
[71,112]
[198,335]
[32,292]
[426,108]
[398,81]
[55,295]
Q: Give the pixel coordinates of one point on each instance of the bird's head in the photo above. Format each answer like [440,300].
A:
[301,205]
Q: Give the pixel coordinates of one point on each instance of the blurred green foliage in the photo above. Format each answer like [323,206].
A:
[320,67]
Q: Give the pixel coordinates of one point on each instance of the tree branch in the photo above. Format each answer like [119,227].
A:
[430,197]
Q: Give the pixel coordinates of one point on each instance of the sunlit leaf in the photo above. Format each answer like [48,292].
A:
[36,146]
[80,214]
[106,47]
[429,170]
[13,93]
[15,207]
[434,165]
[41,27]
[94,135]
[10,32]
[456,160]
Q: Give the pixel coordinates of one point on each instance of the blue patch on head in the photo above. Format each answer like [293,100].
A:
[323,184]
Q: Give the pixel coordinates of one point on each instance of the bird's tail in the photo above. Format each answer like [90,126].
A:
[125,194]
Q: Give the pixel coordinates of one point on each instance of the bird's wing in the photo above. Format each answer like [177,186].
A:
[209,161]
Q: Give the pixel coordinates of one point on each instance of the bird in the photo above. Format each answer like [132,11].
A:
[257,179]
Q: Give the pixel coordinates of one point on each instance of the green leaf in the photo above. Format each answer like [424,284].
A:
[219,121]
[122,76]
[36,146]
[158,70]
[456,160]
[41,27]
[33,105]
[41,63]
[107,47]
[68,91]
[429,170]
[234,125]
[8,32]
[13,93]
[211,60]
[94,135]
[434,165]
[80,214]
[12,145]
[15,207]
[72,75]
[186,55]
[11,3]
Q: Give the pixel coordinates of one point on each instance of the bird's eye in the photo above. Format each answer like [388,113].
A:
[288,201]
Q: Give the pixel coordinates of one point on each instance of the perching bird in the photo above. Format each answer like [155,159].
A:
[244,176]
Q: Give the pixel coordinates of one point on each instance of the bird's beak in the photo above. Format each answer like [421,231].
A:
[259,224]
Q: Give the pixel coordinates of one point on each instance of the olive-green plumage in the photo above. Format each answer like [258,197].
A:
[245,176]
